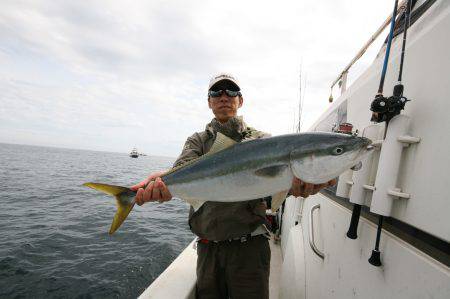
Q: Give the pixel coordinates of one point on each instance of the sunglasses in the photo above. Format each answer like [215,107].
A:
[218,93]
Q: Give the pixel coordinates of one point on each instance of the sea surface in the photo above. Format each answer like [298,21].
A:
[54,240]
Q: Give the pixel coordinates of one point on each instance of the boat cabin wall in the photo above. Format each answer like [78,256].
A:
[423,170]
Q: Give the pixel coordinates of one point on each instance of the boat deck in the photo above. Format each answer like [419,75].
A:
[178,280]
[275,269]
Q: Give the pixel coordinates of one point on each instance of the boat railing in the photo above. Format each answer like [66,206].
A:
[342,78]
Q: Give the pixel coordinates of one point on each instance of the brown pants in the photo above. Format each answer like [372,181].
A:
[234,269]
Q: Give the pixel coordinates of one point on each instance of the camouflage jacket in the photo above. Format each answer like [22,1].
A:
[218,220]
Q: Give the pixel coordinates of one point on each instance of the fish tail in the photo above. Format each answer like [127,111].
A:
[124,207]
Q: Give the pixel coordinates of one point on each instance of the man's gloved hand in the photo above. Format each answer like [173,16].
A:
[303,189]
[152,189]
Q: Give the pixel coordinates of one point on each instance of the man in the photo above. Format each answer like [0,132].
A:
[233,249]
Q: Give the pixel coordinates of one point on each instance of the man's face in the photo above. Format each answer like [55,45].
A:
[224,106]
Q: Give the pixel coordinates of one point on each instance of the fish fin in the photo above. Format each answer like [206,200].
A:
[270,171]
[195,203]
[278,199]
[105,188]
[173,169]
[123,206]
[222,142]
[123,209]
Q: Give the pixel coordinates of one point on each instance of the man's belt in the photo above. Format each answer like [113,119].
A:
[261,230]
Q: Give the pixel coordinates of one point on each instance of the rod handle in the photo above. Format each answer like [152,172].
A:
[375,259]
[353,229]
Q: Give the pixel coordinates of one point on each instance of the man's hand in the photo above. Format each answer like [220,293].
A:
[152,189]
[303,189]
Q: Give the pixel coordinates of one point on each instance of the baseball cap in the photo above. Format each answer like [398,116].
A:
[223,77]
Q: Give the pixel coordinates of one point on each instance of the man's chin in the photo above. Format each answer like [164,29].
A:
[224,116]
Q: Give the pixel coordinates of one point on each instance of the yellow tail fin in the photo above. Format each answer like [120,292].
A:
[124,207]
[121,214]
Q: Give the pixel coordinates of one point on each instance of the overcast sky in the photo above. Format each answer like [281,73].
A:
[111,75]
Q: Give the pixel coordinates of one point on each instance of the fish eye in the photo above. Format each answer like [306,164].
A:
[338,150]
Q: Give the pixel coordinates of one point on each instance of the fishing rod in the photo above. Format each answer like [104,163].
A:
[352,230]
[384,109]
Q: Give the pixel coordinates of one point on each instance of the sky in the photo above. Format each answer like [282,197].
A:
[113,75]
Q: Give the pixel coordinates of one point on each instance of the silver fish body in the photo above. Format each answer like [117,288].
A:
[263,167]
[253,169]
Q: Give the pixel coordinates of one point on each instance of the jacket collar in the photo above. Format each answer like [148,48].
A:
[234,128]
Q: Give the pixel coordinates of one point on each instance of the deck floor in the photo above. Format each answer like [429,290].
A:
[275,270]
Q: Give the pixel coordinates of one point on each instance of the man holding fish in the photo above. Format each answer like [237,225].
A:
[233,250]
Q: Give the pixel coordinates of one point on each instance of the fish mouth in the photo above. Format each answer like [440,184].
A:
[366,145]
[366,148]
[357,166]
[366,141]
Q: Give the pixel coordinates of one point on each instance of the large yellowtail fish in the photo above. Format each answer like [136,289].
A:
[232,171]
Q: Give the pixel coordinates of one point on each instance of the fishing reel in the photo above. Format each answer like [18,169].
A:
[384,109]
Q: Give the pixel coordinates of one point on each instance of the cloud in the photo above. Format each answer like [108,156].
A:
[113,75]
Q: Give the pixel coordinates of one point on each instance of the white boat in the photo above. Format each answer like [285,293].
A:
[134,153]
[406,181]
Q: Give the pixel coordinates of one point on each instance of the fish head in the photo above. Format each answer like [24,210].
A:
[322,157]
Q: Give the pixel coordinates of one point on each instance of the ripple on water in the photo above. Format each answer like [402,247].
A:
[55,241]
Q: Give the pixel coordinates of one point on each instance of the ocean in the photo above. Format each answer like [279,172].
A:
[54,240]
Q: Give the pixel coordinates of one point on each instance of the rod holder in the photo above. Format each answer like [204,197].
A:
[407,140]
[365,176]
[397,192]
[389,166]
[344,184]
[369,187]
[362,179]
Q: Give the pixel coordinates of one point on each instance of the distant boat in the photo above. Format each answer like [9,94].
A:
[134,153]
